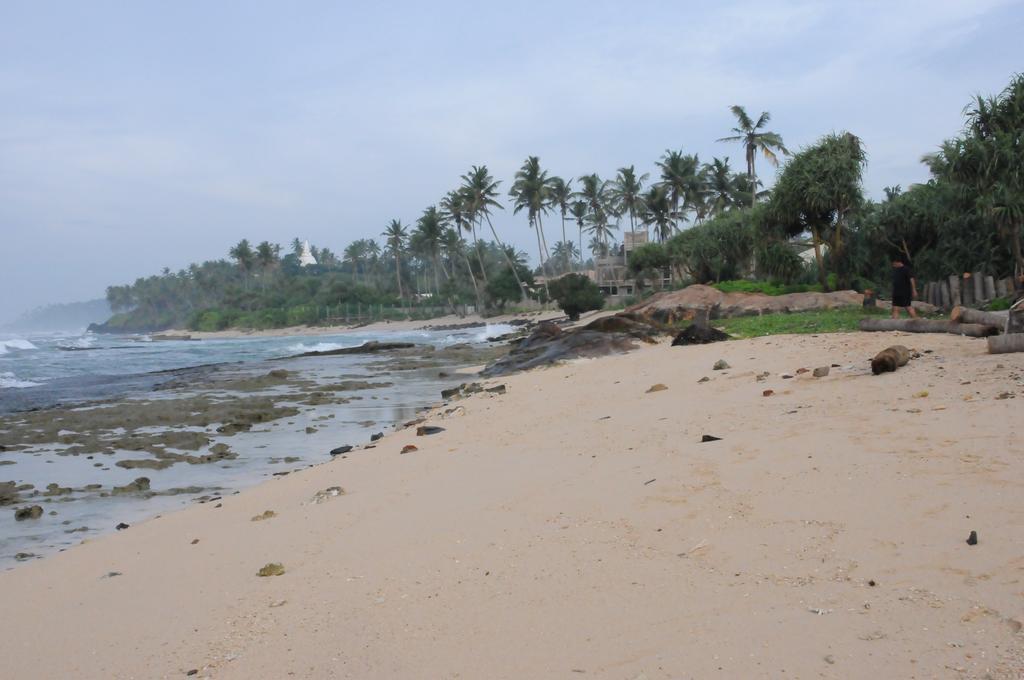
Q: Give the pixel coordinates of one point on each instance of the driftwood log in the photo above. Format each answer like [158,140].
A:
[889,359]
[1005,344]
[968,315]
[973,330]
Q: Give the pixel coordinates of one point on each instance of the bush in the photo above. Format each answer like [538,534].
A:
[503,288]
[576,294]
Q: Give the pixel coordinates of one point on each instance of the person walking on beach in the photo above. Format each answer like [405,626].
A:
[904,288]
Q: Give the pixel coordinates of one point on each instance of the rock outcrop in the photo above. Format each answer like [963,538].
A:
[682,305]
[549,343]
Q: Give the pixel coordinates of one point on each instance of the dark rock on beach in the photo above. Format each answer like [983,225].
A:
[341,449]
[425,430]
[548,343]
[698,335]
[31,512]
[366,348]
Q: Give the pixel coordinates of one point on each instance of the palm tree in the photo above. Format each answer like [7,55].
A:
[594,192]
[680,175]
[566,252]
[481,190]
[243,255]
[530,191]
[721,189]
[266,258]
[429,232]
[455,212]
[579,213]
[395,236]
[754,139]
[658,211]
[626,192]
[353,254]
[559,196]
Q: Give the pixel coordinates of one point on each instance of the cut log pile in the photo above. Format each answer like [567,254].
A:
[974,330]
[1004,329]
[1013,339]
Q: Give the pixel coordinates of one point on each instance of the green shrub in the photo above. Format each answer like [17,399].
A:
[576,294]
[999,304]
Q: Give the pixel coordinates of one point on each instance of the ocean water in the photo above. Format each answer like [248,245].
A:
[42,371]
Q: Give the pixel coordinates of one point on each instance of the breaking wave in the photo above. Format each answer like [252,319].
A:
[17,343]
[8,379]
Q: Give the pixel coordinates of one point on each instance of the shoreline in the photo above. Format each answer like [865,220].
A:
[576,524]
[376,326]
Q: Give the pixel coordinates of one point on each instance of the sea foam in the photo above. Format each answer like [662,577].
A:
[8,380]
[16,343]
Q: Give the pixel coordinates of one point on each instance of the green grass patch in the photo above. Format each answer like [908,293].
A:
[766,287]
[842,320]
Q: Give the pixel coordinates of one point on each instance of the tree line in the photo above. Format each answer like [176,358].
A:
[706,221]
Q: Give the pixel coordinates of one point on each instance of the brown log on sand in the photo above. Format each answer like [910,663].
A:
[973,330]
[979,287]
[1006,344]
[968,315]
[954,290]
[990,288]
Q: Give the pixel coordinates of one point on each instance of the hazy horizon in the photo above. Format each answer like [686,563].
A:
[147,135]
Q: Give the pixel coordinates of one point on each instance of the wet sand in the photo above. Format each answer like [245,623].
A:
[576,526]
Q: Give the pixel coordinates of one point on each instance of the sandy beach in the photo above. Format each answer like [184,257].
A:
[576,526]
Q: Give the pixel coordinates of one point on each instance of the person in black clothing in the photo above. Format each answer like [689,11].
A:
[904,288]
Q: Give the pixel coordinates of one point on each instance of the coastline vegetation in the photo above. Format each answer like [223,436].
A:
[706,224]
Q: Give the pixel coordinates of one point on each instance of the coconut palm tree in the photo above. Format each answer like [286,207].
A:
[455,213]
[481,191]
[243,255]
[565,251]
[395,236]
[680,175]
[721,187]
[429,232]
[595,192]
[560,196]
[530,192]
[754,139]
[658,211]
[625,193]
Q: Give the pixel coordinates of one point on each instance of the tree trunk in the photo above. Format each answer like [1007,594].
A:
[540,256]
[990,288]
[547,253]
[967,290]
[479,255]
[511,265]
[954,290]
[944,294]
[979,287]
[565,247]
[1006,344]
[818,258]
[398,274]
[968,315]
[928,326]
